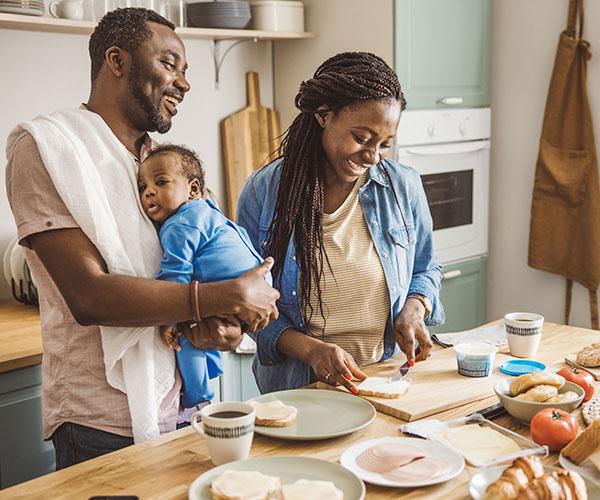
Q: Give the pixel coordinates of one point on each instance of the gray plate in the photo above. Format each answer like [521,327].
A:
[289,470]
[322,414]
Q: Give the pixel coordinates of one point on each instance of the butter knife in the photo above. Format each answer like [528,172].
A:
[403,370]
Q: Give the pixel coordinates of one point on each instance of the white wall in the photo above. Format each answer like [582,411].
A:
[46,71]
[340,25]
[525,35]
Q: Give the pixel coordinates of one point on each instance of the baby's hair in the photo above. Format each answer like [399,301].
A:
[191,165]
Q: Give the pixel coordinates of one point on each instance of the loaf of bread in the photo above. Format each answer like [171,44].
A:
[525,480]
[525,382]
[589,356]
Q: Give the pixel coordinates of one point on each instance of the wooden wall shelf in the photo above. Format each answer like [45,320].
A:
[52,25]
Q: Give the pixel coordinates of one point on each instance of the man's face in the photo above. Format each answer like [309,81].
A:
[157,82]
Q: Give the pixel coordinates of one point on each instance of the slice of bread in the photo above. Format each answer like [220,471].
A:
[381,387]
[583,445]
[245,485]
[304,489]
[274,413]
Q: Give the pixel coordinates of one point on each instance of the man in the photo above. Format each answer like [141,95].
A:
[138,67]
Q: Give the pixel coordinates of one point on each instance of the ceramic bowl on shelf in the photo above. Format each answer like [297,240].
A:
[228,15]
[525,410]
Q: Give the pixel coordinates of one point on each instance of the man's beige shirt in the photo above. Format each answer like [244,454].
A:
[74,385]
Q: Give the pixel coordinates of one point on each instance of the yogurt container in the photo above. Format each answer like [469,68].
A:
[475,359]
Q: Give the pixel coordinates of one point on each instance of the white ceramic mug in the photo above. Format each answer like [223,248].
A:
[228,436]
[524,333]
[67,9]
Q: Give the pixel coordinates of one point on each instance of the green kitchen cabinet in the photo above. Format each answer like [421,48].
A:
[237,381]
[442,52]
[463,295]
[23,452]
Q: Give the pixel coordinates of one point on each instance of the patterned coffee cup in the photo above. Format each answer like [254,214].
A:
[228,429]
[524,333]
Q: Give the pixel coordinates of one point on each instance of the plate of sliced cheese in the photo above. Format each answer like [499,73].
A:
[286,478]
[310,414]
[403,462]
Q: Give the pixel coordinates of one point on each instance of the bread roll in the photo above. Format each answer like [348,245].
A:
[529,380]
[538,394]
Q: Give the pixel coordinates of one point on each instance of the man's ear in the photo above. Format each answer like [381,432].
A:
[322,115]
[195,191]
[115,59]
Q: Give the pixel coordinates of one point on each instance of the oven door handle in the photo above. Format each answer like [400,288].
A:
[448,149]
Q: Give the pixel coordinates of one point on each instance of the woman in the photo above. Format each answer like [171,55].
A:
[350,232]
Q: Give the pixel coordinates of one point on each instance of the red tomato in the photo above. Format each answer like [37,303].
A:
[554,428]
[581,378]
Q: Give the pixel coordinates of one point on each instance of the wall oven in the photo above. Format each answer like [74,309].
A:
[451,151]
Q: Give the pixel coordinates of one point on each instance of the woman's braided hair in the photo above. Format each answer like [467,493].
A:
[345,79]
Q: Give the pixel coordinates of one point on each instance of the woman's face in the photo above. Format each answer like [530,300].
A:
[355,137]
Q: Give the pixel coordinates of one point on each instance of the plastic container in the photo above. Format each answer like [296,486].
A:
[475,359]
[277,15]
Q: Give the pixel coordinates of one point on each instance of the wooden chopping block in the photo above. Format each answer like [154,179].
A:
[249,138]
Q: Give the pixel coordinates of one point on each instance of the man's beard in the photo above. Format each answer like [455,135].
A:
[152,112]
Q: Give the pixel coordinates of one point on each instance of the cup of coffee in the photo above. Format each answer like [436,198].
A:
[228,429]
[67,9]
[524,333]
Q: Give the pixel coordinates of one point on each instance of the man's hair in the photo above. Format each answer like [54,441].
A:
[342,81]
[191,165]
[125,28]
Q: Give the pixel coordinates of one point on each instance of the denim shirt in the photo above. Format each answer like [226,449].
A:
[402,233]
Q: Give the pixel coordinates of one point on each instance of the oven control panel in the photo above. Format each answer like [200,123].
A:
[442,126]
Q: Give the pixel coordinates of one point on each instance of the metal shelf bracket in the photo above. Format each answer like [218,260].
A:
[218,58]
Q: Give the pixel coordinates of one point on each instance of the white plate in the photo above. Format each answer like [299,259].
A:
[481,480]
[432,449]
[6,261]
[17,265]
[587,469]
[322,414]
[289,470]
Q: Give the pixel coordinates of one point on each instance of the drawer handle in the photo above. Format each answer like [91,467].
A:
[452,274]
[450,101]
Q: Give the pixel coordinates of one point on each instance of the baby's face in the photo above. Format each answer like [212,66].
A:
[162,186]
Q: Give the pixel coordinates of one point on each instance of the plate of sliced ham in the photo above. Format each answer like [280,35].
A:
[403,462]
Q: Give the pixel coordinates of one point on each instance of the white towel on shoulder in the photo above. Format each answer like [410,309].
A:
[96,177]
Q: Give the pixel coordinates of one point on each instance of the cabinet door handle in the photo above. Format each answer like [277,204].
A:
[452,274]
[450,101]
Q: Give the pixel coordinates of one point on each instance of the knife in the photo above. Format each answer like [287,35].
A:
[403,370]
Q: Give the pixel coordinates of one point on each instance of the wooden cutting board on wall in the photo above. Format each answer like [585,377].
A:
[249,138]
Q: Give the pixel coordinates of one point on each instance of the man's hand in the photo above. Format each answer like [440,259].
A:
[220,333]
[408,326]
[254,298]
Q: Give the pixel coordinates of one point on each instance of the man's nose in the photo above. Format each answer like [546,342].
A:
[182,84]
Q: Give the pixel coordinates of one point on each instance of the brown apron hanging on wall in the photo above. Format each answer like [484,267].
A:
[565,212]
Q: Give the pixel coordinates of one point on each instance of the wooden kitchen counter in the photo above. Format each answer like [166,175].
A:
[165,467]
[20,336]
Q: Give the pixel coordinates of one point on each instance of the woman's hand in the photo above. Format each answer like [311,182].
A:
[335,366]
[410,325]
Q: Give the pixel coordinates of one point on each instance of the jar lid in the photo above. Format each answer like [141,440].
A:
[516,367]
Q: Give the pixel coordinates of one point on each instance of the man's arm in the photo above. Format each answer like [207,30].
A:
[96,297]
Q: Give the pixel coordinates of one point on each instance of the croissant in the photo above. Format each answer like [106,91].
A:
[525,480]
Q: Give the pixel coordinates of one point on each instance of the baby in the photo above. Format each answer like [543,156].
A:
[198,242]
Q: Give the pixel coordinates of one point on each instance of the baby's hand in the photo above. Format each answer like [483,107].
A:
[171,335]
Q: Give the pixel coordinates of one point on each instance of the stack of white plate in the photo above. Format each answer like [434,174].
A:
[27,7]
[224,14]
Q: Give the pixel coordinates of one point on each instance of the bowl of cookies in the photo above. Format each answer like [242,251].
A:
[527,394]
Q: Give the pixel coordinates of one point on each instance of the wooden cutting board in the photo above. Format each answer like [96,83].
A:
[249,138]
[435,385]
